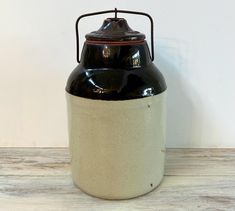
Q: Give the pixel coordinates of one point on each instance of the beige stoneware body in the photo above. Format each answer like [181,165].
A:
[117,147]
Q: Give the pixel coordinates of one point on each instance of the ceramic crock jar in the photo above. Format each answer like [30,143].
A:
[116,112]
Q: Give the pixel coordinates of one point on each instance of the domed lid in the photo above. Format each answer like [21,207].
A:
[115,29]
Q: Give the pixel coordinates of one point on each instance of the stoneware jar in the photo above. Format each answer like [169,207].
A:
[116,112]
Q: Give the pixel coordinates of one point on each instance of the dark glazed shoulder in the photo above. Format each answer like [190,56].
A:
[116,84]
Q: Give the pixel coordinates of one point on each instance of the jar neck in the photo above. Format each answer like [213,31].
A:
[125,55]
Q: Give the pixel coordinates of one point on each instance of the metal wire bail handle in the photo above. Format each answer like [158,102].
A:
[115,11]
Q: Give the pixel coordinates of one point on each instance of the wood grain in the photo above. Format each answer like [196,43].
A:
[200,162]
[39,179]
[34,161]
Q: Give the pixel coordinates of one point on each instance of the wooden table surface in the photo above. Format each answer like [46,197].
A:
[39,179]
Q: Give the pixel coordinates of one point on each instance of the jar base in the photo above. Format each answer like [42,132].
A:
[120,197]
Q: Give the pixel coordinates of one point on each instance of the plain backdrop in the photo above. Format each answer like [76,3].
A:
[195,50]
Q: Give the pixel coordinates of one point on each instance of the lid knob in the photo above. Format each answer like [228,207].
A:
[115,29]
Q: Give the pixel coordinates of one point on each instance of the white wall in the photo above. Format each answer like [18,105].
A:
[195,50]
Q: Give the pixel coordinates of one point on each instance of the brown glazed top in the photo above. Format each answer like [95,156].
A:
[115,65]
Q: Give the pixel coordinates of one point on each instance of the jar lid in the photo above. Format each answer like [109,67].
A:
[115,29]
